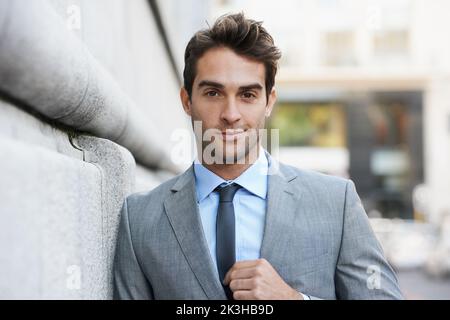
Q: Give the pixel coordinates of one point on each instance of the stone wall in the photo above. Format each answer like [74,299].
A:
[86,116]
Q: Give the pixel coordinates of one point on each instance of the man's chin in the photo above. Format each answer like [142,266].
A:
[239,157]
[230,153]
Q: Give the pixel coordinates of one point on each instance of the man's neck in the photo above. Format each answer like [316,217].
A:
[234,170]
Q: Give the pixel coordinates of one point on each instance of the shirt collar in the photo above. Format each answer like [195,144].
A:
[254,179]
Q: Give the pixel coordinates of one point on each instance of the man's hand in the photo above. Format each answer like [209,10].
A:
[258,280]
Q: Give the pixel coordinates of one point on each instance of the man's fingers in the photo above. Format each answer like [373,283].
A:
[243,284]
[243,295]
[247,295]
[243,273]
[242,265]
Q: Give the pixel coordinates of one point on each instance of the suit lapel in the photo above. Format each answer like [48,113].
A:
[282,203]
[182,211]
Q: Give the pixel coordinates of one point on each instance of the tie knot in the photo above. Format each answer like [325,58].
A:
[226,194]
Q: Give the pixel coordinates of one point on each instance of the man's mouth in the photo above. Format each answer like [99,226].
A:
[232,134]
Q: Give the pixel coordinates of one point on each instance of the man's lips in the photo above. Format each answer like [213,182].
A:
[230,135]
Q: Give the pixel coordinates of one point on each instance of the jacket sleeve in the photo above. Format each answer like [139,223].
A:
[129,282]
[362,271]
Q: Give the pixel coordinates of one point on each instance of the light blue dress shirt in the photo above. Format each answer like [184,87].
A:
[249,206]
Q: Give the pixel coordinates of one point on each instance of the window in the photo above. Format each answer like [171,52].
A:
[339,48]
[313,125]
[392,43]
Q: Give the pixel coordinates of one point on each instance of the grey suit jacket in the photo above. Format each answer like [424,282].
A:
[317,236]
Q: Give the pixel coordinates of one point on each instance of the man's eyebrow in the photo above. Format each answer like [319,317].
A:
[208,83]
[253,86]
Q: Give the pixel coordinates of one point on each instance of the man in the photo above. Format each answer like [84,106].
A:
[237,224]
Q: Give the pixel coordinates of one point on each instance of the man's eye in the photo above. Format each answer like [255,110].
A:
[212,93]
[248,95]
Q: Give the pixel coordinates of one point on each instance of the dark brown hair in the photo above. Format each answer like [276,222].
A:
[244,36]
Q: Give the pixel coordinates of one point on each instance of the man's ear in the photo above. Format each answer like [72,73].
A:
[271,102]
[185,101]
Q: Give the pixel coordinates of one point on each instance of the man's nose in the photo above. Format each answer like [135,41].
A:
[230,112]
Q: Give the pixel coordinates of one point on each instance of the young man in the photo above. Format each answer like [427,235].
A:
[237,224]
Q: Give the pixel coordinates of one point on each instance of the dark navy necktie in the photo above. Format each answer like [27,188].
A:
[225,232]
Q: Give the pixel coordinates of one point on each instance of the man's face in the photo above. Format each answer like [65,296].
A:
[229,98]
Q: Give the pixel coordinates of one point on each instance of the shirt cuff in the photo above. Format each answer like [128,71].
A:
[305,297]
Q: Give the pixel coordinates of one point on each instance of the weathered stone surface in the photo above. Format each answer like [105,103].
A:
[60,209]
[47,67]
[61,189]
